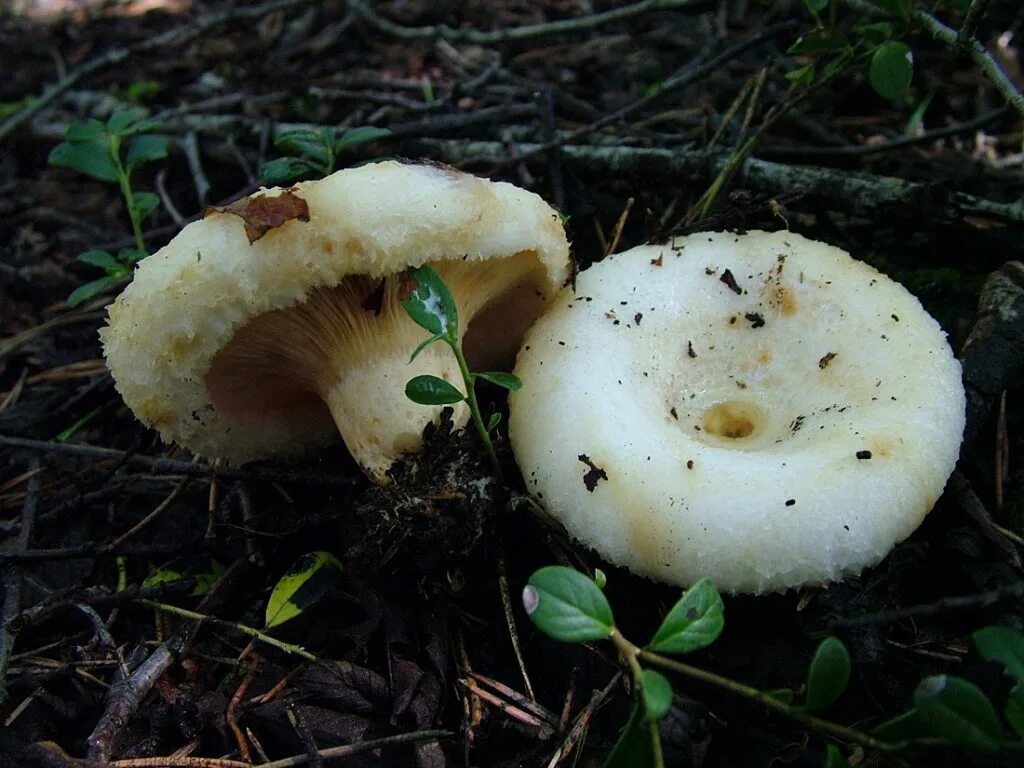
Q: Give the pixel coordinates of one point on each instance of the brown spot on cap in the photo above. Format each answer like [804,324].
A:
[262,214]
[825,360]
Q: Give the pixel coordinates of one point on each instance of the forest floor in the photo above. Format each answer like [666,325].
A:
[637,122]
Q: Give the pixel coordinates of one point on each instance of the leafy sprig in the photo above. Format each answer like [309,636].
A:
[305,583]
[890,60]
[432,307]
[314,153]
[111,152]
[948,710]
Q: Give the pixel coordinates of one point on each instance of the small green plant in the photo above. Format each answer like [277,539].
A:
[111,152]
[890,61]
[305,583]
[433,308]
[568,606]
[312,154]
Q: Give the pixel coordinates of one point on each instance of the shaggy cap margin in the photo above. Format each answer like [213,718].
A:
[188,300]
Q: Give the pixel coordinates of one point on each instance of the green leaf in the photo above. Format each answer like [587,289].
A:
[122,120]
[891,70]
[142,90]
[309,579]
[206,579]
[430,390]
[90,290]
[635,747]
[901,728]
[566,605]
[834,758]
[146,125]
[829,674]
[162,576]
[836,65]
[493,421]
[600,578]
[145,204]
[1004,645]
[84,131]
[818,40]
[285,170]
[1014,711]
[145,149]
[89,157]
[507,381]
[431,305]
[361,135]
[957,710]
[802,75]
[303,142]
[816,6]
[423,345]
[694,622]
[657,694]
[101,259]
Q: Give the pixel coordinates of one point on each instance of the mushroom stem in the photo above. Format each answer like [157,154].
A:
[377,421]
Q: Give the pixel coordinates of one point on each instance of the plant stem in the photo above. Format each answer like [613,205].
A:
[124,181]
[251,631]
[474,408]
[761,697]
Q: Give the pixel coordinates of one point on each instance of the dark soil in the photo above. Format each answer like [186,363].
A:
[413,638]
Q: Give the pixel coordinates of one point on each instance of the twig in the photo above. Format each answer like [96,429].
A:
[510,620]
[527,32]
[858,150]
[329,753]
[124,698]
[232,710]
[761,697]
[162,466]
[843,190]
[974,49]
[975,13]
[118,55]
[689,74]
[160,508]
[993,355]
[945,605]
[12,578]
[263,637]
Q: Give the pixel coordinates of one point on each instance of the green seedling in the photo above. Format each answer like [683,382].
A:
[313,153]
[433,308]
[111,152]
[310,578]
[568,606]
[890,62]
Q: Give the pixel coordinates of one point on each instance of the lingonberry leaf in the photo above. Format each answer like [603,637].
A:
[694,622]
[566,605]
[828,675]
[957,710]
[431,390]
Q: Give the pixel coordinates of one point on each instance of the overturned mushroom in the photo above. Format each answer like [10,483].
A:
[761,409]
[272,325]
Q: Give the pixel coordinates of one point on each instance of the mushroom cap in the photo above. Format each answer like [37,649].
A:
[191,298]
[760,409]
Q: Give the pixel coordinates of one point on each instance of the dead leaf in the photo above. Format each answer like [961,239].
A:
[262,214]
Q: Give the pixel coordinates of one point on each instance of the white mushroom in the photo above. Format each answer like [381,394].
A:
[761,409]
[270,326]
